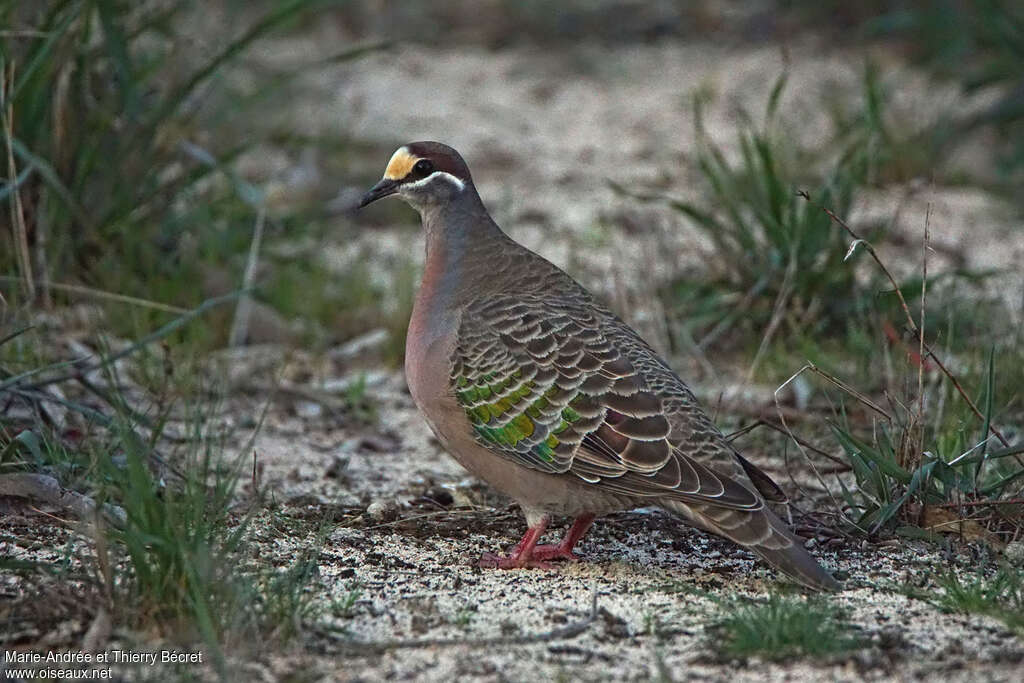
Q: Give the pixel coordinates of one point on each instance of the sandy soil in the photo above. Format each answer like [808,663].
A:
[545,134]
[413,526]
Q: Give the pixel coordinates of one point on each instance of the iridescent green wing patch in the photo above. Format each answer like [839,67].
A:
[511,415]
[526,384]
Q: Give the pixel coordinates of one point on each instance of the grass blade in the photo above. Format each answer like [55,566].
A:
[989,391]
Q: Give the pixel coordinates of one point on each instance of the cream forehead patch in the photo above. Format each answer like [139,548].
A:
[400,165]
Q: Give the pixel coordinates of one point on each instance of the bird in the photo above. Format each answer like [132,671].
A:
[537,388]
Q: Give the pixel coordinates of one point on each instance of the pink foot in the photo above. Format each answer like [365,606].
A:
[554,552]
[522,555]
[529,554]
[514,561]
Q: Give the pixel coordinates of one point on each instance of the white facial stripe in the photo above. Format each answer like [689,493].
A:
[459,185]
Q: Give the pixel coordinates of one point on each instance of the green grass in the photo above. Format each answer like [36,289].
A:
[179,566]
[782,628]
[176,539]
[975,44]
[779,279]
[1000,596]
[289,596]
[943,456]
[980,45]
[176,561]
[78,161]
[109,91]
[358,403]
[344,607]
[343,304]
[777,261]
[783,283]
[125,126]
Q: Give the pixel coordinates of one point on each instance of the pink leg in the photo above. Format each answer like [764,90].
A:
[522,554]
[563,550]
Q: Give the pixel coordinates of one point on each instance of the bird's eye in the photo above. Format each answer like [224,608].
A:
[423,168]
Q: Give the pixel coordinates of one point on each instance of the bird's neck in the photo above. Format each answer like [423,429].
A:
[461,240]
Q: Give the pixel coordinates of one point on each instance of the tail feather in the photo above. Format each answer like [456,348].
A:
[795,561]
[763,533]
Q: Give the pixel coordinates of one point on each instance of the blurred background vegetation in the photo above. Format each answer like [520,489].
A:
[144,165]
[130,130]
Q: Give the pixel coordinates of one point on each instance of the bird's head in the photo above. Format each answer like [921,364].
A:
[422,173]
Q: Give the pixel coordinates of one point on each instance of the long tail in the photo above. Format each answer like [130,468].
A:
[765,534]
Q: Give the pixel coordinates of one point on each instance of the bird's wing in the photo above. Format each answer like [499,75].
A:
[565,388]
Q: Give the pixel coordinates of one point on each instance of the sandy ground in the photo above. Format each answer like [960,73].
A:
[412,527]
[546,133]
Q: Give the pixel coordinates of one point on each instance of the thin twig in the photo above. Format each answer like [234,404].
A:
[101,294]
[920,337]
[924,295]
[848,389]
[789,432]
[918,452]
[821,528]
[906,310]
[561,633]
[860,241]
[979,503]
[780,429]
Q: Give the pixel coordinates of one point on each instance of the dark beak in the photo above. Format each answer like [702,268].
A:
[382,189]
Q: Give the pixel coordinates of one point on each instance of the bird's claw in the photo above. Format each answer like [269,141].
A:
[492,561]
[554,552]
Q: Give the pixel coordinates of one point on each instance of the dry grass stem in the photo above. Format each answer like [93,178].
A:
[240,325]
[920,337]
[910,319]
[799,445]
[761,422]
[82,367]
[17,209]
[110,296]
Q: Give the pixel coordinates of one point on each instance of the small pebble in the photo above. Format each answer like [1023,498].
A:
[382,510]
[308,409]
[347,534]
[1015,552]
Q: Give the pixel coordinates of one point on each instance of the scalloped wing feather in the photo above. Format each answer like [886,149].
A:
[564,387]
